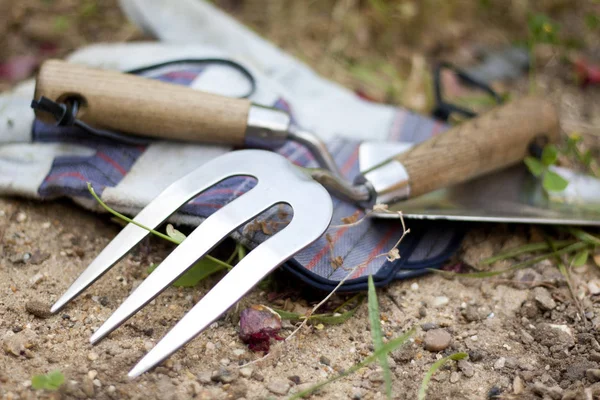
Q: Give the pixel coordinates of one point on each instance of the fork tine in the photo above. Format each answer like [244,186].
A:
[154,214]
[308,222]
[202,240]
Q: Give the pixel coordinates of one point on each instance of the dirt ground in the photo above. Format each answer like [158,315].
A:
[525,335]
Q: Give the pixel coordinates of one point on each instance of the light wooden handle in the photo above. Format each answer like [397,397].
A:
[141,106]
[497,139]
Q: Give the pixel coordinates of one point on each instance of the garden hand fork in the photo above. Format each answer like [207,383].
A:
[278,181]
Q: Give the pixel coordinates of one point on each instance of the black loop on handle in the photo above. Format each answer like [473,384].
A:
[442,108]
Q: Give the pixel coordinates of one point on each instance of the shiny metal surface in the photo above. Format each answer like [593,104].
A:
[267,127]
[389,182]
[278,182]
[339,187]
[511,195]
[317,148]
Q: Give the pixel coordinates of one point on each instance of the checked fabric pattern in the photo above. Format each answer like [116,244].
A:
[427,246]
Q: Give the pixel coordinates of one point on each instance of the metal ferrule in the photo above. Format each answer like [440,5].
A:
[389,182]
[267,127]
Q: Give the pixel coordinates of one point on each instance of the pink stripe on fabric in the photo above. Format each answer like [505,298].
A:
[376,251]
[112,162]
[77,175]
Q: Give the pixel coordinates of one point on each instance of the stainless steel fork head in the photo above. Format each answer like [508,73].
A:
[278,181]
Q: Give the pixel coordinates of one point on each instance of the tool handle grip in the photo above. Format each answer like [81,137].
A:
[492,141]
[140,106]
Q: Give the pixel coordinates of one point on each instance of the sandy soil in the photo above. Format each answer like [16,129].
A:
[525,335]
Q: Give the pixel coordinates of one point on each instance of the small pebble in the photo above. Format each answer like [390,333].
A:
[38,308]
[278,386]
[454,377]
[414,286]
[37,278]
[92,374]
[427,326]
[295,378]
[223,375]
[467,368]
[97,383]
[500,363]
[210,346]
[594,287]
[325,361]
[21,217]
[543,298]
[246,372]
[225,361]
[239,352]
[518,386]
[46,225]
[593,375]
[92,356]
[437,340]
[440,301]
[205,377]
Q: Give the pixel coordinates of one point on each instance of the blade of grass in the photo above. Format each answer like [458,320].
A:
[487,274]
[385,349]
[378,336]
[528,248]
[161,235]
[583,235]
[434,368]
[565,273]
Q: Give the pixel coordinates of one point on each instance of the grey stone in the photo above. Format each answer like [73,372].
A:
[278,386]
[543,299]
[467,368]
[553,392]
[437,340]
[223,375]
[38,308]
[454,377]
[427,326]
[204,377]
[593,375]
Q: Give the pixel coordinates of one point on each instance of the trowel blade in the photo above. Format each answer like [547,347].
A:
[511,195]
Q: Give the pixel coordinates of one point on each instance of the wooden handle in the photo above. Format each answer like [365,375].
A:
[141,106]
[495,140]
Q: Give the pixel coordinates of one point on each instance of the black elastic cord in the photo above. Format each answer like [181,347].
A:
[222,61]
[442,108]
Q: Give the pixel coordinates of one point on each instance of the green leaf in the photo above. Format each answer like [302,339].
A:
[549,155]
[543,29]
[534,166]
[378,336]
[434,368]
[327,319]
[39,382]
[61,23]
[592,21]
[581,258]
[199,271]
[175,234]
[51,381]
[385,349]
[553,182]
